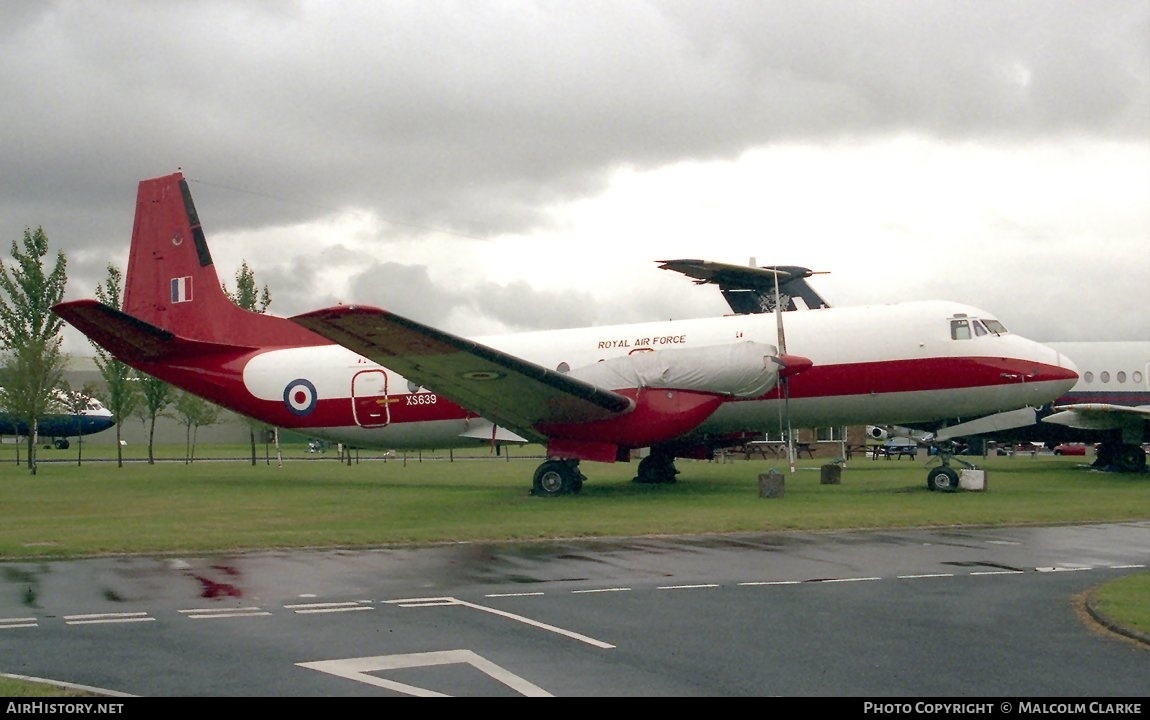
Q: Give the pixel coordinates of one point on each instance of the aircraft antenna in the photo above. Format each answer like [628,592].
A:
[783,381]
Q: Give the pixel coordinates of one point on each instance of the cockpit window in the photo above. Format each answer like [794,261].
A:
[979,328]
[994,326]
[959,329]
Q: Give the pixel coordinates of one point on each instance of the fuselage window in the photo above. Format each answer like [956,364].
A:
[563,367]
[994,326]
[959,330]
[1137,377]
[1121,376]
[1105,375]
[1088,376]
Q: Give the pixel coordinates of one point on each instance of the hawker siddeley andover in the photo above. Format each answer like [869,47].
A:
[368,378]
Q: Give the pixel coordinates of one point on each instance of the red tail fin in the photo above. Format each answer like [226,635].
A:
[172,283]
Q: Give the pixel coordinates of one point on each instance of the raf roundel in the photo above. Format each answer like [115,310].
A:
[300,396]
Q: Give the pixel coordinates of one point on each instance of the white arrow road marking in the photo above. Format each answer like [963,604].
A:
[442,601]
[359,669]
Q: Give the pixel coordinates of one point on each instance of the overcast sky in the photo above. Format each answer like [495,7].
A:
[501,166]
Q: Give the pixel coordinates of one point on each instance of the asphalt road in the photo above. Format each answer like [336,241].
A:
[907,613]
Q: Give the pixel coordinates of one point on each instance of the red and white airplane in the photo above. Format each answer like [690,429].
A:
[1109,405]
[369,378]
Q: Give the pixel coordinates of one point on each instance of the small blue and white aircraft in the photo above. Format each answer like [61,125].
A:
[62,422]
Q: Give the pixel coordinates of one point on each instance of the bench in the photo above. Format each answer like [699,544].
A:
[895,451]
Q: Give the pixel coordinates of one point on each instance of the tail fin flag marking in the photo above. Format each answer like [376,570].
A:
[181,289]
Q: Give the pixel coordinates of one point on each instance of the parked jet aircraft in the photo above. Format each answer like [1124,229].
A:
[1110,404]
[62,422]
[369,378]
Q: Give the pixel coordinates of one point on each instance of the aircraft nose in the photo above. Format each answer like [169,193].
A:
[1057,368]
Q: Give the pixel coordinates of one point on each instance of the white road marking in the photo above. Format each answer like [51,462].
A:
[773,582]
[601,590]
[329,607]
[212,613]
[360,669]
[10,623]
[441,601]
[96,618]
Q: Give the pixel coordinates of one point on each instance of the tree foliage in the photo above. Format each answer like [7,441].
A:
[247,295]
[248,298]
[158,395]
[30,331]
[122,394]
[77,402]
[194,412]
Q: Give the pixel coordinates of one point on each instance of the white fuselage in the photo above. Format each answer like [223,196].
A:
[871,364]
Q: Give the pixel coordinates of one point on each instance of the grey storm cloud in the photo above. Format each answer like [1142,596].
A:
[474,118]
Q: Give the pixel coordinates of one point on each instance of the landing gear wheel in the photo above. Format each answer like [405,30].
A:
[60,443]
[557,477]
[1130,458]
[657,468]
[1106,455]
[942,479]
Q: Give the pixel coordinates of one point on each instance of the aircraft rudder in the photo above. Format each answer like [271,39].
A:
[171,281]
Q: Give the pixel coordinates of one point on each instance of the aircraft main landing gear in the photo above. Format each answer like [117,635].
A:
[1120,457]
[557,477]
[657,468]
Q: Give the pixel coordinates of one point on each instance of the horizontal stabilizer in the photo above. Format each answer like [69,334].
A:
[991,423]
[127,338]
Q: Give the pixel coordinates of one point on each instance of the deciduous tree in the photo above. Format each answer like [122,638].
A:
[30,331]
[194,412]
[158,395]
[249,297]
[122,393]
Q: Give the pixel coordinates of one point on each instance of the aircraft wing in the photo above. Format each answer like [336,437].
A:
[749,289]
[709,271]
[1098,416]
[505,389]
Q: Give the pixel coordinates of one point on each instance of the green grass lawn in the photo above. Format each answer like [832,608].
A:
[95,507]
[223,503]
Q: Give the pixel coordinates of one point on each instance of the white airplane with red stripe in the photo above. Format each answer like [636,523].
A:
[369,378]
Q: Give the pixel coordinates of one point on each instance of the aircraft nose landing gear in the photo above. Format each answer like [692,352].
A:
[945,478]
[942,479]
